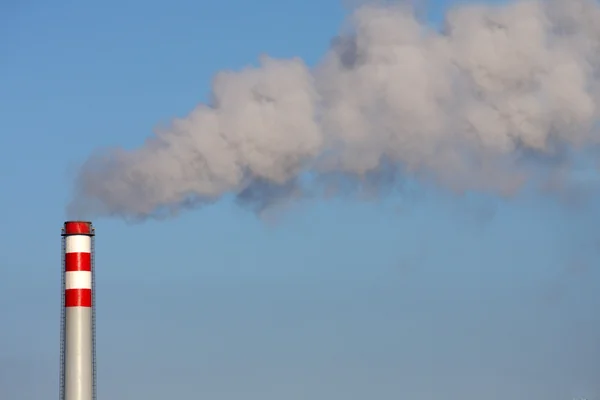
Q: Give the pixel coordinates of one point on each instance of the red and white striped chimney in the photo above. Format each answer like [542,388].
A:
[77,331]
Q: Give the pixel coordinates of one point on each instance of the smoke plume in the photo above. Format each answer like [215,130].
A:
[501,96]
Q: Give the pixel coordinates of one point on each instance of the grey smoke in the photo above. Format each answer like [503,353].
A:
[499,94]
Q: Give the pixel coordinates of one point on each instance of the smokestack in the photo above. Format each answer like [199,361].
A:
[78,367]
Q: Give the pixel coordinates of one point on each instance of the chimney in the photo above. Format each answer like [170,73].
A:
[77,347]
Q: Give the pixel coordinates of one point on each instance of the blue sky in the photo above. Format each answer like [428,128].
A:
[419,296]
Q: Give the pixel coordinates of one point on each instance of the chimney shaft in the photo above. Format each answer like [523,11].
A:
[77,330]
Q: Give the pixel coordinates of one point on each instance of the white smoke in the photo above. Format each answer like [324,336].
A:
[480,105]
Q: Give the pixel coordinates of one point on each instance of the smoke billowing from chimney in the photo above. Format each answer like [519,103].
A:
[498,95]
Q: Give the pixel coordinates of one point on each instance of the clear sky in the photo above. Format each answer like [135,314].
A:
[418,296]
